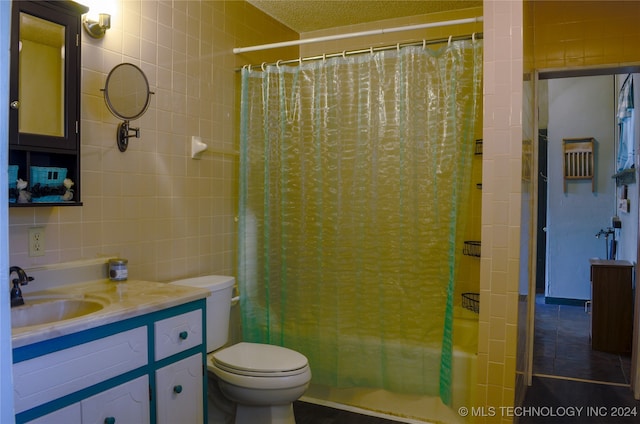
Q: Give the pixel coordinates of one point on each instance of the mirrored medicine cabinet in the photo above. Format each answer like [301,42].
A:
[44,103]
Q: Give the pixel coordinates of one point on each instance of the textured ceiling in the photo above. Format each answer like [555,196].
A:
[311,15]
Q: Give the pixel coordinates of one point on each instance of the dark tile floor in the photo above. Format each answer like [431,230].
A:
[562,401]
[570,378]
[309,413]
[562,347]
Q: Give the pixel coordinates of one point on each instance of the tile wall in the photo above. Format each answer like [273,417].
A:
[570,34]
[170,215]
[501,206]
[444,32]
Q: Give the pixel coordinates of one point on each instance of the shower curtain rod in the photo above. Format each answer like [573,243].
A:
[424,43]
[238,50]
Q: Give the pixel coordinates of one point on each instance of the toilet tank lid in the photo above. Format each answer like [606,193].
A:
[214,282]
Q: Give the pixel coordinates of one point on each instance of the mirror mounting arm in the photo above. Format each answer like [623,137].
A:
[124,133]
[127,95]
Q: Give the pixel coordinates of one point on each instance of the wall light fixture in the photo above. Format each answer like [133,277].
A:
[97,29]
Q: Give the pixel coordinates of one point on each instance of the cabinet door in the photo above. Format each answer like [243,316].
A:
[179,388]
[45,74]
[126,403]
[46,378]
[612,308]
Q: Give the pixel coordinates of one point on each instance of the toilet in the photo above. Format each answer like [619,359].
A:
[262,380]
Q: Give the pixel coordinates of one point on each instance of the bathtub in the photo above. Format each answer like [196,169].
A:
[399,404]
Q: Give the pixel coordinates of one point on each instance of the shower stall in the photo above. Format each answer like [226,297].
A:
[355,172]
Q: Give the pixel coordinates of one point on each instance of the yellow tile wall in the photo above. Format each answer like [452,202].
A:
[392,38]
[468,269]
[571,34]
[171,216]
[501,206]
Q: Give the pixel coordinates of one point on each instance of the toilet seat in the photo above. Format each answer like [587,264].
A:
[260,360]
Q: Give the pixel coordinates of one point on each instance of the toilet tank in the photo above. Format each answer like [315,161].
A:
[218,306]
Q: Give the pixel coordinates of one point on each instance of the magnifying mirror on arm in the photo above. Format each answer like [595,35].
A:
[127,95]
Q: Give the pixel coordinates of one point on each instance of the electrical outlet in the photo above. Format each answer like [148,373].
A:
[36,241]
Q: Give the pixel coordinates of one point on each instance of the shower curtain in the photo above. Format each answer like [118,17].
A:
[353,173]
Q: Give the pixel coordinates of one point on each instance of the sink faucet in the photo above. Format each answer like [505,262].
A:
[22,280]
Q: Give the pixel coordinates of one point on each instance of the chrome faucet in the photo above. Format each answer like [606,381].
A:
[22,280]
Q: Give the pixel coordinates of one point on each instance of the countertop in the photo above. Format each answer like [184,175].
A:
[609,262]
[121,300]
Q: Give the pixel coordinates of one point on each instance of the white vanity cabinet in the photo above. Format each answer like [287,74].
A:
[145,369]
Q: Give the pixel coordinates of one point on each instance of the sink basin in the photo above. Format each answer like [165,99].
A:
[49,310]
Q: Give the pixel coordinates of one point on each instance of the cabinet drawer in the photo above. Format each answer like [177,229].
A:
[48,377]
[175,334]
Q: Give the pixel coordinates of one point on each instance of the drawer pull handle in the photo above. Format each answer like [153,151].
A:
[110,420]
[177,389]
[183,335]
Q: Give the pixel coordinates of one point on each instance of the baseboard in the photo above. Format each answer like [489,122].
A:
[564,301]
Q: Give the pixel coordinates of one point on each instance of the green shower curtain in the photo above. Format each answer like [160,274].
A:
[353,171]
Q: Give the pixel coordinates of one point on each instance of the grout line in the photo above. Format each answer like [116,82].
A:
[622,369]
[582,380]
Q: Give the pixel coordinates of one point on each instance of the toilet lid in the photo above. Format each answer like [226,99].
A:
[260,359]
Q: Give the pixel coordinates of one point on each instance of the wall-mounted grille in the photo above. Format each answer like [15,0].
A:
[578,160]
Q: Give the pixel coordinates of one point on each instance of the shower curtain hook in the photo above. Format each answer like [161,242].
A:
[371,49]
[398,47]
[300,60]
[424,44]
[450,37]
[344,54]
[324,57]
[278,63]
[249,68]
[473,37]
[263,66]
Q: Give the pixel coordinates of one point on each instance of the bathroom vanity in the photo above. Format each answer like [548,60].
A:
[138,359]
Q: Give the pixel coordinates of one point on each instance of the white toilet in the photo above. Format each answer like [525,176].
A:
[263,380]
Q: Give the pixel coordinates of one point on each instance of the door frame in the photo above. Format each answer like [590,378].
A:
[533,243]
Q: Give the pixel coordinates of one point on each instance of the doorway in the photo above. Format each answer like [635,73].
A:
[541,231]
[569,217]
